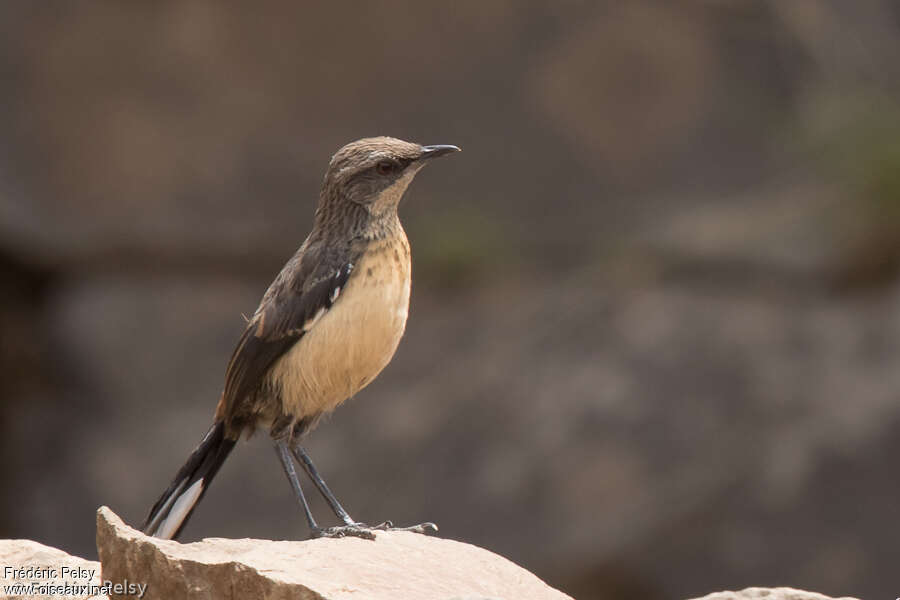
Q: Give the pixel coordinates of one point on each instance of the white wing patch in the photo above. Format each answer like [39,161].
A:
[338,289]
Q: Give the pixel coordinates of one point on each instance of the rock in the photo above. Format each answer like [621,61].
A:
[46,567]
[781,593]
[395,566]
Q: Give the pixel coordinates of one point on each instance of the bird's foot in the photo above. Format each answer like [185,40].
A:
[361,530]
[423,528]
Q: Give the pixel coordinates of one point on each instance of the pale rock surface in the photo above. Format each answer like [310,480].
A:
[27,553]
[396,566]
[758,593]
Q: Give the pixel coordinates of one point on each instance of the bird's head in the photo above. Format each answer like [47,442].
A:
[374,172]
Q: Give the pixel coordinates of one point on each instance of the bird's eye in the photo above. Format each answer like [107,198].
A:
[386,167]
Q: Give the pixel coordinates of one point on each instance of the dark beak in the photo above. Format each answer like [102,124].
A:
[429,152]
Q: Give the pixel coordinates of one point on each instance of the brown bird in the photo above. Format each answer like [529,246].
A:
[328,324]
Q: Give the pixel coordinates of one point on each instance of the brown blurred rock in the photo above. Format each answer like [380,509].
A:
[394,566]
[647,369]
[781,593]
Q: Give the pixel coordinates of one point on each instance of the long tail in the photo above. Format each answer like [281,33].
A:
[171,512]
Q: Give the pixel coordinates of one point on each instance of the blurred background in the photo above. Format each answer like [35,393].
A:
[655,327]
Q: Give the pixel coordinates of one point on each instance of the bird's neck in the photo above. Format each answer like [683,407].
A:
[346,219]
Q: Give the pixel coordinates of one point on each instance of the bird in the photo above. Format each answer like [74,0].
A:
[327,325]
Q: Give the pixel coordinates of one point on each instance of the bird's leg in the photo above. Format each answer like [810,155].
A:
[350,527]
[308,466]
[281,448]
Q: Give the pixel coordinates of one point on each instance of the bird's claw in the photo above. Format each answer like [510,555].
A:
[423,528]
[361,530]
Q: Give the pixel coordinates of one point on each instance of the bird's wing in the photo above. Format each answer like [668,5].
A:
[305,290]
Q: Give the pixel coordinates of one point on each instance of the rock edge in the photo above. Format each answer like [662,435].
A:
[396,566]
[232,576]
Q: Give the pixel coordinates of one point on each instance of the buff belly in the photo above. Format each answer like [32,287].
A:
[351,343]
